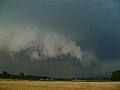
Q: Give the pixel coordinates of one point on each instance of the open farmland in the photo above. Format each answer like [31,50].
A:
[38,85]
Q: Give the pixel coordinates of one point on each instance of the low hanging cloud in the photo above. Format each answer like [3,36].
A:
[39,45]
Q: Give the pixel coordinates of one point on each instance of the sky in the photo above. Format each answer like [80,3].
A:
[60,38]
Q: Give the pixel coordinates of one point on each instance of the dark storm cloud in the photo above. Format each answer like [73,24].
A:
[93,24]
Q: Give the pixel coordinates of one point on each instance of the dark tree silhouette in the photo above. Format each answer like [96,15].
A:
[21,75]
[115,76]
[5,74]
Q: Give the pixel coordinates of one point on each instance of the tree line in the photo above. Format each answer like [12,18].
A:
[5,75]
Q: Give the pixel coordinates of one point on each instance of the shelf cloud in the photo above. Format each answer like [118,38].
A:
[38,45]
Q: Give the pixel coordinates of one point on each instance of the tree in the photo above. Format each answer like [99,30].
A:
[115,76]
[21,75]
[5,74]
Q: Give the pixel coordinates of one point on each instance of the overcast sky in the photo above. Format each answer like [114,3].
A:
[93,25]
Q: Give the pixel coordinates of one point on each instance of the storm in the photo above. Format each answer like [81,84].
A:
[60,38]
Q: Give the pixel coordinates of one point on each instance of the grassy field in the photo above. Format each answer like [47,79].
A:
[38,85]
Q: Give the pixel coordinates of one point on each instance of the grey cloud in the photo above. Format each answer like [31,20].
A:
[91,24]
[40,45]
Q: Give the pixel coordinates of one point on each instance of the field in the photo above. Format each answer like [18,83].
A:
[55,85]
